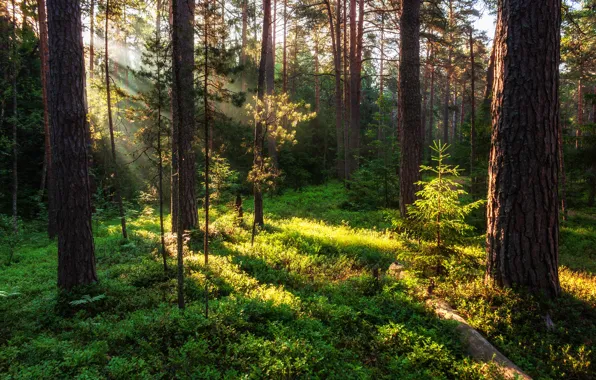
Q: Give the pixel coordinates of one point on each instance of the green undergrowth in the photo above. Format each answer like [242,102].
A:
[310,299]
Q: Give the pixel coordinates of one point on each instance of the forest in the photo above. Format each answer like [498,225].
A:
[288,189]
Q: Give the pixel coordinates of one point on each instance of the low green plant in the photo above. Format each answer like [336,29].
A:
[87,299]
[438,212]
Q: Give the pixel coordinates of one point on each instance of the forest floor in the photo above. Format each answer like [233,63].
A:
[310,299]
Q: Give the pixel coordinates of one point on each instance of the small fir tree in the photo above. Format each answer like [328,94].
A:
[438,211]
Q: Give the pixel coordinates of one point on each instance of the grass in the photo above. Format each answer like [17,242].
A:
[310,299]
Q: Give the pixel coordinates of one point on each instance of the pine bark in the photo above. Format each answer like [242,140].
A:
[68,122]
[409,103]
[522,212]
[183,126]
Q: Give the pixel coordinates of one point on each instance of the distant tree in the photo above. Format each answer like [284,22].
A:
[523,223]
[68,116]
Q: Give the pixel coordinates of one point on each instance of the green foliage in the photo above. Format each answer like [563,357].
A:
[438,211]
[373,186]
[87,299]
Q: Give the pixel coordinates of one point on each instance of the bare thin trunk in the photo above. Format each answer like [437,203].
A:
[473,109]
[431,116]
[115,177]
[207,115]
[91,39]
[580,113]
[285,60]
[562,175]
[15,176]
[243,49]
[44,53]
[258,162]
[164,254]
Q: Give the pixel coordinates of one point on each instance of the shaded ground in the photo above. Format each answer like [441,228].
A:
[310,299]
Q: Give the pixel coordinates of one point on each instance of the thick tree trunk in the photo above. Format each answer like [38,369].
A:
[522,212]
[409,103]
[115,176]
[258,163]
[68,116]
[183,126]
[44,55]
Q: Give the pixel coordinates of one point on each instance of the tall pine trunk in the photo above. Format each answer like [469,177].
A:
[473,109]
[522,212]
[207,129]
[44,55]
[91,38]
[448,74]
[183,126]
[580,111]
[68,121]
[243,48]
[159,85]
[409,103]
[335,31]
[258,161]
[15,118]
[270,83]
[431,116]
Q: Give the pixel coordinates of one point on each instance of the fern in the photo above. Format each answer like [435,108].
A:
[87,299]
